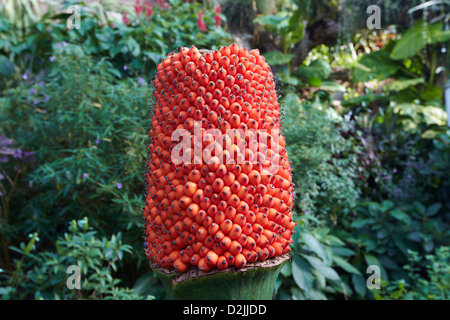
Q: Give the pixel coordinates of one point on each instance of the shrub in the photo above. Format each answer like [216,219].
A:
[43,275]
[325,173]
[433,284]
[326,163]
[88,131]
[130,42]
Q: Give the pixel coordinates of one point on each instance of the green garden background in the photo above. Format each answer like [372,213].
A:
[364,119]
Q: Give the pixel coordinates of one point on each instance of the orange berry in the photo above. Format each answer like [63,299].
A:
[203,265]
[235,247]
[192,210]
[190,188]
[240,261]
[235,231]
[212,258]
[180,265]
[226,226]
[218,184]
[222,263]
[225,243]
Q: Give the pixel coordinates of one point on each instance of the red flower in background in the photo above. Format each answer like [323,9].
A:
[163,4]
[149,10]
[125,19]
[138,8]
[200,23]
[147,6]
[217,17]
[218,20]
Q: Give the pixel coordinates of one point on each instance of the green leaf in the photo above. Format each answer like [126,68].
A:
[400,216]
[317,69]
[433,209]
[371,260]
[345,265]
[333,240]
[326,271]
[276,58]
[386,205]
[360,285]
[133,46]
[364,98]
[388,263]
[286,271]
[154,56]
[296,25]
[411,42]
[343,251]
[315,81]
[442,36]
[269,20]
[359,223]
[4,24]
[301,273]
[6,66]
[376,65]
[432,92]
[401,84]
[144,284]
[396,294]
[296,235]
[315,246]
[437,33]
[287,78]
[332,86]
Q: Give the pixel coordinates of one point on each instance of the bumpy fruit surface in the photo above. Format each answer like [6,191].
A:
[230,204]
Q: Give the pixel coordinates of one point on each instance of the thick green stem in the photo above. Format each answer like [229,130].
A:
[255,281]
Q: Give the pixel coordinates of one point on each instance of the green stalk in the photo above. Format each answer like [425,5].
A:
[255,281]
[432,66]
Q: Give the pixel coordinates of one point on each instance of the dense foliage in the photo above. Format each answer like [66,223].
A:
[369,147]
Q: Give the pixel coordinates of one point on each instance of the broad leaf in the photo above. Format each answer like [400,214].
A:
[433,209]
[411,42]
[144,283]
[364,98]
[437,33]
[269,20]
[317,69]
[302,273]
[432,92]
[6,66]
[276,58]
[359,283]
[326,271]
[400,216]
[345,265]
[402,84]
[332,86]
[315,246]
[376,65]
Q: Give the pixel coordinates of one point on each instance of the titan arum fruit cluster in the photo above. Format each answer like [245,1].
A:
[219,184]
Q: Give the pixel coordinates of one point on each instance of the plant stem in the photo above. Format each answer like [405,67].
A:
[432,66]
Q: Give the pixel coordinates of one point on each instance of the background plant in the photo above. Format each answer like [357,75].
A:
[363,119]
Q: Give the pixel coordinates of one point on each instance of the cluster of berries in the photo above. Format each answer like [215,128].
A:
[225,211]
